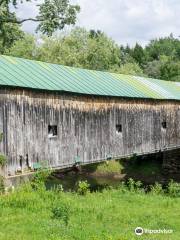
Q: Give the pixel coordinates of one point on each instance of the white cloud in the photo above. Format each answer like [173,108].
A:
[126,21]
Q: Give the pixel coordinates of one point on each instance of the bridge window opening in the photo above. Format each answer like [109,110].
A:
[118,129]
[52,131]
[164,125]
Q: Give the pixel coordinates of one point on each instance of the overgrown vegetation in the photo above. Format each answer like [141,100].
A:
[39,178]
[134,186]
[174,189]
[2,186]
[157,189]
[3,159]
[134,166]
[83,187]
[61,212]
[110,214]
[105,168]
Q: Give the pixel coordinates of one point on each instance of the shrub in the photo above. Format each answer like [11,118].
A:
[42,174]
[1,137]
[156,189]
[123,187]
[40,178]
[2,186]
[138,185]
[83,187]
[3,160]
[130,184]
[134,186]
[59,188]
[61,212]
[173,189]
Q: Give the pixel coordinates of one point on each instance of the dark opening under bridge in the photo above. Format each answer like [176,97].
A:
[65,116]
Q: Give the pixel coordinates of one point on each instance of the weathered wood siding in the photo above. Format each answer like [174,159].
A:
[86,127]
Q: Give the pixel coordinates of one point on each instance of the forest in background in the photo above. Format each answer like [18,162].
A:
[91,49]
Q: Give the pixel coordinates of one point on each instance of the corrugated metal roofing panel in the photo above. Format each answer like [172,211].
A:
[19,72]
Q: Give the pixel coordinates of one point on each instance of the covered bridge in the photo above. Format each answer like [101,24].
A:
[63,115]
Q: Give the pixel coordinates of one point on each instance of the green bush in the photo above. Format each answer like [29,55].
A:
[134,186]
[123,187]
[173,189]
[61,212]
[59,188]
[2,186]
[83,187]
[1,137]
[156,189]
[42,175]
[39,179]
[3,160]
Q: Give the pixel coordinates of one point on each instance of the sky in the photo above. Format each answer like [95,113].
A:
[125,21]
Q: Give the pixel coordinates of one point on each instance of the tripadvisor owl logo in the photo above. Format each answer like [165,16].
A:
[139,231]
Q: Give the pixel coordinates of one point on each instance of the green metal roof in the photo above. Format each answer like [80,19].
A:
[19,72]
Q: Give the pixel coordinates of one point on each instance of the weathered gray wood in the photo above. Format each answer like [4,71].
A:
[86,127]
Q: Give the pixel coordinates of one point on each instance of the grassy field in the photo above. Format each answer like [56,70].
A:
[113,214]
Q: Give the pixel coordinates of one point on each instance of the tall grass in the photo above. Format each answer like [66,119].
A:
[34,213]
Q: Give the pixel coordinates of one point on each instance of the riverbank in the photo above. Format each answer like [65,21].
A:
[147,169]
[111,173]
[32,212]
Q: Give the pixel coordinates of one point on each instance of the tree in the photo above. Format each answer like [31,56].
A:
[25,47]
[95,34]
[95,50]
[165,68]
[170,71]
[153,69]
[53,15]
[138,54]
[126,55]
[129,69]
[66,49]
[79,49]
[168,46]
[9,33]
[102,53]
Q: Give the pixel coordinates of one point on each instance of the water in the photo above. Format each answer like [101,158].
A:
[69,181]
